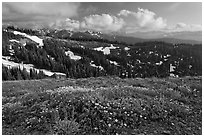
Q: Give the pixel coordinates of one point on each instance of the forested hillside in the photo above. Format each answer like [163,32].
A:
[81,57]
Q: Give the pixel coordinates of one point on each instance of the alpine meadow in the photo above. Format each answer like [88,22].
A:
[101,68]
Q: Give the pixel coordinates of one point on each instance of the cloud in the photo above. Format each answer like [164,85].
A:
[40,12]
[179,27]
[142,20]
[104,23]
[61,15]
[68,24]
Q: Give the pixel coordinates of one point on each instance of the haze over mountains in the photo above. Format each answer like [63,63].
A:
[174,37]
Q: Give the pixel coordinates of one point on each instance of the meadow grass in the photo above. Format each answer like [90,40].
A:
[104,105]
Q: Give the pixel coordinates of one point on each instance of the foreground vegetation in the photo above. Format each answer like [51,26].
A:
[104,105]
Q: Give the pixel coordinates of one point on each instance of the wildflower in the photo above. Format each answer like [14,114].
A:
[116,120]
[105,111]
[145,117]
[109,125]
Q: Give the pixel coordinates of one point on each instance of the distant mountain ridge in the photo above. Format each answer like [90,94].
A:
[119,38]
[174,38]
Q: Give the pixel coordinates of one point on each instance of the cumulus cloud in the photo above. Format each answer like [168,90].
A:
[142,20]
[37,11]
[60,15]
[104,23]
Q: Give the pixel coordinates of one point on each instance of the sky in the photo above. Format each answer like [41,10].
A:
[127,18]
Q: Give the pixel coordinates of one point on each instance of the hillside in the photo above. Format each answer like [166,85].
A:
[47,52]
[103,105]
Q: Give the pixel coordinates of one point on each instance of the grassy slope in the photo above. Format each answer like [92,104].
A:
[104,105]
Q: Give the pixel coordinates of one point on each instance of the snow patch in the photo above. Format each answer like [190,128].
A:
[93,65]
[172,68]
[99,49]
[13,40]
[50,57]
[6,57]
[82,47]
[114,62]
[72,56]
[159,63]
[126,48]
[173,75]
[11,50]
[167,56]
[11,64]
[33,38]
[151,52]
[106,50]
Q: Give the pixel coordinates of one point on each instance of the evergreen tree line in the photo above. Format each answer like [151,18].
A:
[140,63]
[20,74]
